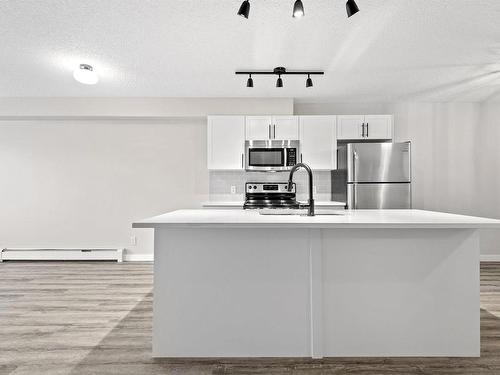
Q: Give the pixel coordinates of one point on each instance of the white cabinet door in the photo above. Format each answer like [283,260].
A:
[285,127]
[378,126]
[318,141]
[225,142]
[365,127]
[350,126]
[258,127]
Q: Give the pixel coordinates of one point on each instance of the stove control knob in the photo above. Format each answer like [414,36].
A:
[255,187]
[249,188]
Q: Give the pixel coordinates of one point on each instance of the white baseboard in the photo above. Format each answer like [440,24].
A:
[61,254]
[139,257]
[490,258]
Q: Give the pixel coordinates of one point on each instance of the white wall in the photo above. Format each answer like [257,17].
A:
[77,172]
[454,151]
[72,183]
[140,107]
[444,153]
[488,168]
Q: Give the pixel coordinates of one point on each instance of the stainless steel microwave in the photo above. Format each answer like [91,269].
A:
[271,155]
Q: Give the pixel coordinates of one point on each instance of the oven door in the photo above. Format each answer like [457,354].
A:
[269,156]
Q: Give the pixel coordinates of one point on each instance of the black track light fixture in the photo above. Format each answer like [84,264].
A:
[351,8]
[250,81]
[298,9]
[279,71]
[244,10]
[309,81]
[279,82]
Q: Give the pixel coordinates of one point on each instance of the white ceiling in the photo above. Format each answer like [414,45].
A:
[391,50]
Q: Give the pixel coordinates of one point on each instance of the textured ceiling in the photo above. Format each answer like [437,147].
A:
[392,49]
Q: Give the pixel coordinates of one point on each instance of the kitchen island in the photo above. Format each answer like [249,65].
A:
[234,283]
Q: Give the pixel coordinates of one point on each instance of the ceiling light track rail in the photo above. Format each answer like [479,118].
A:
[270,72]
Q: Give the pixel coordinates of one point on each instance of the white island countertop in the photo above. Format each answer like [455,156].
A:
[347,219]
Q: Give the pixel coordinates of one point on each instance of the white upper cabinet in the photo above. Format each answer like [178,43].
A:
[272,127]
[285,127]
[318,136]
[226,142]
[349,126]
[258,127]
[378,126]
[318,142]
[365,127]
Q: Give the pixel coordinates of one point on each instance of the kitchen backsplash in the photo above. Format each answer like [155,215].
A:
[220,183]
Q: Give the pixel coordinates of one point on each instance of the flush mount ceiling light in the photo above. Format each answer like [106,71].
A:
[351,8]
[279,71]
[85,74]
[244,10]
[298,9]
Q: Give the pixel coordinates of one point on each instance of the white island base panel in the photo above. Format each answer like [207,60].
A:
[329,292]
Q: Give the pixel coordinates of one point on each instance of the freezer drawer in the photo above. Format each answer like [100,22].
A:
[379,196]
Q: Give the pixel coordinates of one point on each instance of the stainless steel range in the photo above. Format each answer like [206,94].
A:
[269,195]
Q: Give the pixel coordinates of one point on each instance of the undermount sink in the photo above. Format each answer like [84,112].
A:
[302,212]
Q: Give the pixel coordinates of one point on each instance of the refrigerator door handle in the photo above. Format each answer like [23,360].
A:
[354,159]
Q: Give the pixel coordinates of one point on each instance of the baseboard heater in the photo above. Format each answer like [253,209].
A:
[61,254]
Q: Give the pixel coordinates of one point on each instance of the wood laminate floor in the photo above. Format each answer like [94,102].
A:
[95,318]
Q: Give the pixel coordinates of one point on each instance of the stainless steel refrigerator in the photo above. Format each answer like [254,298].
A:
[373,175]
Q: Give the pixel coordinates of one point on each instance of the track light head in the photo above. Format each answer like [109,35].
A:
[250,81]
[351,8]
[298,9]
[279,82]
[309,81]
[244,10]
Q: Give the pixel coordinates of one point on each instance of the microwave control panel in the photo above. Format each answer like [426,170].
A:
[291,157]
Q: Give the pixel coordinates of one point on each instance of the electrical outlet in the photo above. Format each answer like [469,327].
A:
[133,240]
[233,189]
